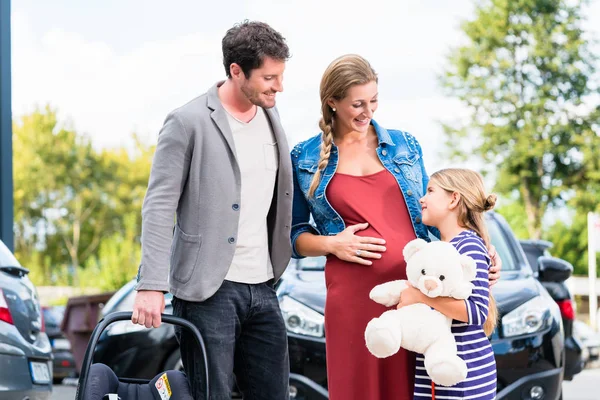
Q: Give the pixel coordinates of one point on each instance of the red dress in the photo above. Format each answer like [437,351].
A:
[352,372]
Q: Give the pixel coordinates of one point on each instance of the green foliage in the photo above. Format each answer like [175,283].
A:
[526,75]
[117,260]
[571,240]
[514,213]
[75,207]
[570,244]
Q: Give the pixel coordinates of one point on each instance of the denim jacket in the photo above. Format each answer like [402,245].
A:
[398,151]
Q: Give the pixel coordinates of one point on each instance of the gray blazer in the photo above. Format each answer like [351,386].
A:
[195,177]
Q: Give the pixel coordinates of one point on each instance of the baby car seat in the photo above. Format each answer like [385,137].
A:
[102,382]
[99,382]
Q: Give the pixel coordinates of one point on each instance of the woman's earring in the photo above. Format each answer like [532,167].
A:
[333,109]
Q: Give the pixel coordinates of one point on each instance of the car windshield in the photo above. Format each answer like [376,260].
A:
[54,315]
[6,257]
[502,246]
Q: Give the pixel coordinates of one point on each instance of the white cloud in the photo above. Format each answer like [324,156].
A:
[109,93]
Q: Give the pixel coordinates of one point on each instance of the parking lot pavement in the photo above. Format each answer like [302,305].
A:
[582,387]
[63,392]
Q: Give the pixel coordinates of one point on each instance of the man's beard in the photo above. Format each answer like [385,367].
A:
[254,96]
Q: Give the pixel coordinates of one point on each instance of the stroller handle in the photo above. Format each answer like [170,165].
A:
[126,316]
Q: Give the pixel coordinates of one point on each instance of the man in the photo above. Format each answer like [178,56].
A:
[222,168]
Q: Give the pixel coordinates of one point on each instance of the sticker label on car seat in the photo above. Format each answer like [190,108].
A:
[163,387]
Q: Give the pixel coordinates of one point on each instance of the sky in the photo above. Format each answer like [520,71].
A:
[113,67]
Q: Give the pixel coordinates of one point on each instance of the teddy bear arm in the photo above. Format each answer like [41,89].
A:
[462,292]
[388,294]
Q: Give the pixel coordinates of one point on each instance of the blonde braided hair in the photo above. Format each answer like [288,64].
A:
[343,73]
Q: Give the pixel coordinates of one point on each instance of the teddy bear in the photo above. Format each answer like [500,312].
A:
[436,269]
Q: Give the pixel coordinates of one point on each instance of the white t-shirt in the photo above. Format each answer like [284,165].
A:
[258,159]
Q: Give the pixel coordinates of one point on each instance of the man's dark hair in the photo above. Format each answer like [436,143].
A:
[248,43]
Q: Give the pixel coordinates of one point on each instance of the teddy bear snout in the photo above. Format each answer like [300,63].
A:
[430,285]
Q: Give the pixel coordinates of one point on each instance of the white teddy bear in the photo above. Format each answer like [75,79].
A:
[436,269]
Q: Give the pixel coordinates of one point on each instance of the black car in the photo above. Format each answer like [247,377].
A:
[132,350]
[64,363]
[528,343]
[538,255]
[25,353]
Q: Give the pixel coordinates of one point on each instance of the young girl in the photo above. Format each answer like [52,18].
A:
[454,203]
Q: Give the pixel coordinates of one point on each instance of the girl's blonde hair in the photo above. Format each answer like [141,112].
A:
[343,73]
[472,203]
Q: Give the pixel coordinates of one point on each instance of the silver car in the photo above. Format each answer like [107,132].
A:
[25,351]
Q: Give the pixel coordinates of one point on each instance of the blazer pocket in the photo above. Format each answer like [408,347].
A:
[271,156]
[184,255]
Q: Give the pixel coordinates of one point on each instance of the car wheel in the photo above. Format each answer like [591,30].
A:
[174,362]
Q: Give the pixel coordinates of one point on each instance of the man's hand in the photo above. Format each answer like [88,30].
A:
[494,272]
[148,306]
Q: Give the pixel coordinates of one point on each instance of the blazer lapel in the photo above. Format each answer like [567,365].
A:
[285,161]
[219,116]
[278,131]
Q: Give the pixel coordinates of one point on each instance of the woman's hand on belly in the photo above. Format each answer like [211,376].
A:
[347,246]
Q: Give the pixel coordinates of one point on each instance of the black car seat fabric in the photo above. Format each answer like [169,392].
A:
[169,385]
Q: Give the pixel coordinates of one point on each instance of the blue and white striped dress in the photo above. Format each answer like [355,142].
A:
[473,346]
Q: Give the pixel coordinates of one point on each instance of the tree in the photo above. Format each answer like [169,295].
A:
[117,260]
[69,196]
[571,240]
[32,139]
[526,76]
[59,201]
[514,213]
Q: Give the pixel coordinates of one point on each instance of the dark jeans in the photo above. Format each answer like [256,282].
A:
[245,335]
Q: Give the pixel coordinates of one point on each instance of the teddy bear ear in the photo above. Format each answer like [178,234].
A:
[469,267]
[413,247]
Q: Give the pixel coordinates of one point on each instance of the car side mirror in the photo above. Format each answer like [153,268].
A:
[552,269]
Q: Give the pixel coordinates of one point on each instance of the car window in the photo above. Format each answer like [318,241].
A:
[312,263]
[532,256]
[52,317]
[6,257]
[502,246]
[126,304]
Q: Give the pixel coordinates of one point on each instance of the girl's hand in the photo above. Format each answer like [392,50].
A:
[347,246]
[409,296]
[496,267]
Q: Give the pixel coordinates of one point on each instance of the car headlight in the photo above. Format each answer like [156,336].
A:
[528,318]
[301,319]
